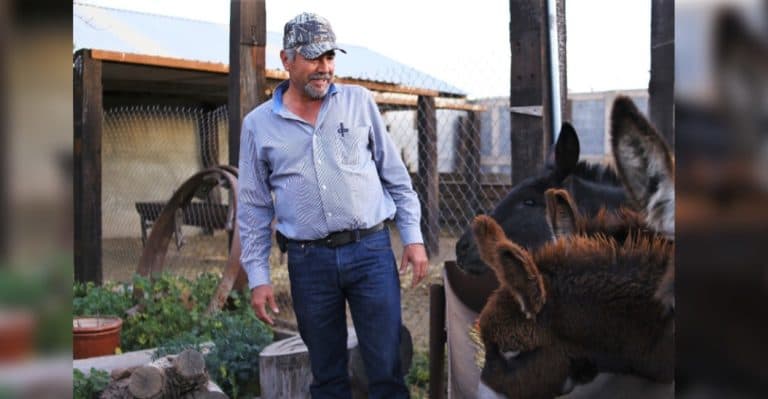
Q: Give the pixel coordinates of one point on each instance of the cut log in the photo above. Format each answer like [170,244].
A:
[174,376]
[210,391]
[148,382]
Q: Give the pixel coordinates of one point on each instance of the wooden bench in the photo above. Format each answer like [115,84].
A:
[206,215]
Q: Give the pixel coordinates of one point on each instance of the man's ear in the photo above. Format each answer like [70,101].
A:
[285,61]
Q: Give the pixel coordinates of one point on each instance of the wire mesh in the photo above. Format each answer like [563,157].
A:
[149,151]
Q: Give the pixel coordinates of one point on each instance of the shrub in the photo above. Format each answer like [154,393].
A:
[88,387]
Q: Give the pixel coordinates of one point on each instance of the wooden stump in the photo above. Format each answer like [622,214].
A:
[284,369]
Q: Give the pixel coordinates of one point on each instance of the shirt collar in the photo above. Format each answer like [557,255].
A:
[277,96]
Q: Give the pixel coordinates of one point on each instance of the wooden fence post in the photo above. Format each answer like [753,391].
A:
[427,188]
[469,149]
[661,85]
[247,79]
[88,117]
[529,85]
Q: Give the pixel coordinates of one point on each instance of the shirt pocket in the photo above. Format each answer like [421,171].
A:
[353,147]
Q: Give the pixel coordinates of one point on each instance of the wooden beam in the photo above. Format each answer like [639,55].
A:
[154,60]
[661,86]
[247,62]
[428,181]
[88,114]
[272,74]
[410,102]
[377,86]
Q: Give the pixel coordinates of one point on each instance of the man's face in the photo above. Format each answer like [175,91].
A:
[314,76]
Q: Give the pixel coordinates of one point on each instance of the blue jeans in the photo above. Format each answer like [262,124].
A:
[365,275]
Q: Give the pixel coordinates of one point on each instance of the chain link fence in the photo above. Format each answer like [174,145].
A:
[149,151]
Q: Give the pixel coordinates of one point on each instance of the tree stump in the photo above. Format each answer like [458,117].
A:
[284,369]
[285,372]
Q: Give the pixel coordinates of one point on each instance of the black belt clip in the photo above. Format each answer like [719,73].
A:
[282,241]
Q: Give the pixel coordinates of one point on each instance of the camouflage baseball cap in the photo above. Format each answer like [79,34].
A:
[310,34]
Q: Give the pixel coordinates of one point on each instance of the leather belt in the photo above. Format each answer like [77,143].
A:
[336,239]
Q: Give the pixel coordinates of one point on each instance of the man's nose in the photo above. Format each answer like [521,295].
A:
[325,64]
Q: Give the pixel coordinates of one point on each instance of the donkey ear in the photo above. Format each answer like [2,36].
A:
[644,163]
[567,151]
[488,234]
[517,272]
[562,215]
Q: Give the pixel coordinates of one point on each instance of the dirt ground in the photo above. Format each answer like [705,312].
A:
[209,253]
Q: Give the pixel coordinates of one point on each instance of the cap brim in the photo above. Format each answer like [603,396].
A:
[314,50]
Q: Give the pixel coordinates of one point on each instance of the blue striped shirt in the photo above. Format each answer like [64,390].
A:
[342,173]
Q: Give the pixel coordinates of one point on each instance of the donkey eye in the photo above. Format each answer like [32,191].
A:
[529,202]
[508,355]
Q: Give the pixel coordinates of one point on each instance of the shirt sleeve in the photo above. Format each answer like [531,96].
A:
[395,178]
[255,209]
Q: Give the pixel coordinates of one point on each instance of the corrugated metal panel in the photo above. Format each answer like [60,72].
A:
[141,33]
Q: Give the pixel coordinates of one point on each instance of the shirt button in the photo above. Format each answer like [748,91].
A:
[329,214]
[319,162]
[324,187]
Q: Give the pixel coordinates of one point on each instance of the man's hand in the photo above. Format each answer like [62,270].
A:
[416,255]
[260,296]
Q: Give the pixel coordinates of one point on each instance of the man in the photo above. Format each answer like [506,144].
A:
[322,150]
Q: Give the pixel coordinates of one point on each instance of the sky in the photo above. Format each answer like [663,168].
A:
[463,43]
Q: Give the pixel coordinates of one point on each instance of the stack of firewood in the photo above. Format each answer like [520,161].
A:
[181,376]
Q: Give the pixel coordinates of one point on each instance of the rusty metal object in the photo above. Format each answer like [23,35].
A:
[153,256]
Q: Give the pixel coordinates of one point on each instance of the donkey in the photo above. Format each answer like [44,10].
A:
[577,306]
[598,297]
[521,212]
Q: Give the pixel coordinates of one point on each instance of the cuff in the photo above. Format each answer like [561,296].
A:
[257,275]
[411,235]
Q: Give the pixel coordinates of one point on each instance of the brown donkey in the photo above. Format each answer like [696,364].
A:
[577,306]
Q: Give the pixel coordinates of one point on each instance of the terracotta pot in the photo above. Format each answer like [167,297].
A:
[17,334]
[95,336]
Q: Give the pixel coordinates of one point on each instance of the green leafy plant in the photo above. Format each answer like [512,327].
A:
[88,387]
[418,376]
[171,315]
[234,360]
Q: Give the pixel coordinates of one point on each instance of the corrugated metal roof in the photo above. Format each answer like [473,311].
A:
[129,31]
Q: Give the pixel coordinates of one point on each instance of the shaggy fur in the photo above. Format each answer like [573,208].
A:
[576,306]
[647,169]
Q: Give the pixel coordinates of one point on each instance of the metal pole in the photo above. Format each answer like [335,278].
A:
[554,68]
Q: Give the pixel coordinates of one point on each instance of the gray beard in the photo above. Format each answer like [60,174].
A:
[314,94]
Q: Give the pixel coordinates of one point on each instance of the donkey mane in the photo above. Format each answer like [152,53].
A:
[582,253]
[597,172]
[611,221]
